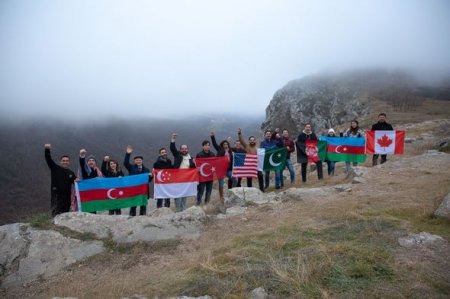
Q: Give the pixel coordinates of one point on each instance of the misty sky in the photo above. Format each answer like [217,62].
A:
[148,58]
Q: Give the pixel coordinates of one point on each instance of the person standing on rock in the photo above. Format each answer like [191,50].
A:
[307,135]
[331,165]
[181,159]
[354,131]
[111,169]
[133,169]
[62,179]
[89,168]
[290,146]
[239,149]
[224,150]
[251,148]
[381,125]
[163,162]
[271,141]
[205,153]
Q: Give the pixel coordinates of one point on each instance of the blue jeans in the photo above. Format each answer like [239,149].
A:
[277,179]
[180,204]
[290,167]
[331,166]
[201,189]
[230,179]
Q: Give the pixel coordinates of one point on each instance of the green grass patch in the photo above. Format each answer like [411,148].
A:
[291,261]
[421,221]
[40,221]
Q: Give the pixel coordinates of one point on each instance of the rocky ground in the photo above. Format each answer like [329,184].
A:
[399,198]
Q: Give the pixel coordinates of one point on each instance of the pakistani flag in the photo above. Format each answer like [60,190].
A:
[272,159]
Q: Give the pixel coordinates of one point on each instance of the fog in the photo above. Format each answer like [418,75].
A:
[102,59]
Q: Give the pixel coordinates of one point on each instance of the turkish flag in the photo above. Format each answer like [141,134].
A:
[211,168]
[385,142]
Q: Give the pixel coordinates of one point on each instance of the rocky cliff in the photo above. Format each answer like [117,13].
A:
[328,100]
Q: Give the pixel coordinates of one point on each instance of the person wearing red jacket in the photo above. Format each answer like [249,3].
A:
[290,146]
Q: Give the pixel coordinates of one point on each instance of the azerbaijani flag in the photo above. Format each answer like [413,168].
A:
[101,194]
[176,182]
[385,142]
[348,149]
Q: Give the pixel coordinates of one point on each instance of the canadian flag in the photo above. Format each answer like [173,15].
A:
[385,142]
[174,183]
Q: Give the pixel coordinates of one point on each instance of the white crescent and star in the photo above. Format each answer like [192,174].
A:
[110,195]
[271,161]
[344,149]
[159,176]
[202,171]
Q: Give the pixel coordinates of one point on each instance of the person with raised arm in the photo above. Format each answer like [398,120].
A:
[62,179]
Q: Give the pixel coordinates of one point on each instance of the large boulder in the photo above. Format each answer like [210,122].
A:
[27,253]
[124,229]
[241,196]
[444,208]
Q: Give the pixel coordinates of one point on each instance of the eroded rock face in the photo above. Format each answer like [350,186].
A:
[123,229]
[27,253]
[324,100]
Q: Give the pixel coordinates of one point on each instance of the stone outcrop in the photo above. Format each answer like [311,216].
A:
[419,239]
[27,254]
[125,229]
[444,208]
[247,195]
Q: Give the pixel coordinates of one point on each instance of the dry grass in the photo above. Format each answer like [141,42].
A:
[341,246]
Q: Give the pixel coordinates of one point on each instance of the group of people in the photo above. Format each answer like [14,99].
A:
[62,178]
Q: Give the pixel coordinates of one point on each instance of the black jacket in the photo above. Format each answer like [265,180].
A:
[178,157]
[85,175]
[133,168]
[161,164]
[110,174]
[384,126]
[61,178]
[302,157]
[221,152]
[204,154]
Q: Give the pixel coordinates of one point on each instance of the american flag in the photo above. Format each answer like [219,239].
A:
[245,165]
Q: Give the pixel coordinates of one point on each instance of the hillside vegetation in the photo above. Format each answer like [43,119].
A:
[340,246]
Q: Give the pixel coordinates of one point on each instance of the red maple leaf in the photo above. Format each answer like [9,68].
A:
[384,141]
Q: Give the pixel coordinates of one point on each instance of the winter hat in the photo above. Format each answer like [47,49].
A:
[91,157]
[331,131]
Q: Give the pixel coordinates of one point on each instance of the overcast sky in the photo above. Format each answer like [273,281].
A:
[148,58]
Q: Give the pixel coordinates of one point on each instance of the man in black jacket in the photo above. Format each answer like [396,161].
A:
[136,168]
[381,125]
[205,153]
[302,155]
[181,159]
[62,179]
[163,162]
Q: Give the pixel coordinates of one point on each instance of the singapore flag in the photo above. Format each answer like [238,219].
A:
[174,183]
